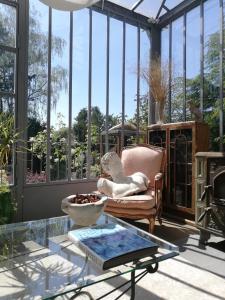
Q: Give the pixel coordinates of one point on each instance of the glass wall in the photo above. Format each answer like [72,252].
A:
[83,80]
[196,67]
[8,91]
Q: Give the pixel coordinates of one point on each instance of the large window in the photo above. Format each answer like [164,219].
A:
[197,67]
[83,80]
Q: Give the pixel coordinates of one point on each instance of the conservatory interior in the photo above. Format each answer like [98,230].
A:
[79,79]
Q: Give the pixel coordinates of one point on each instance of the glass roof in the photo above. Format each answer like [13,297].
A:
[149,8]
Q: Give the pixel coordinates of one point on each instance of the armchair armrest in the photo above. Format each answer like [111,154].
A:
[158,186]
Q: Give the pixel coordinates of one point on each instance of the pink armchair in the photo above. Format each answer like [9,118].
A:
[149,160]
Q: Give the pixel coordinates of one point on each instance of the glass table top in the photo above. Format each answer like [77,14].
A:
[38,261]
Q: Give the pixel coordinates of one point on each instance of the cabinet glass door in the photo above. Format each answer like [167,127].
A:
[181,167]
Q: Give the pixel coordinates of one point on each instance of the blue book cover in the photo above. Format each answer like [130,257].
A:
[110,245]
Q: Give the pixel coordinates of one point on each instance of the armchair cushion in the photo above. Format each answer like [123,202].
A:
[130,212]
[139,201]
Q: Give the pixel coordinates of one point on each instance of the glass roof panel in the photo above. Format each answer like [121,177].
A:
[172,3]
[125,3]
[149,8]
[163,11]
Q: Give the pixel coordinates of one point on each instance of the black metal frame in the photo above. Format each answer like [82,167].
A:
[134,278]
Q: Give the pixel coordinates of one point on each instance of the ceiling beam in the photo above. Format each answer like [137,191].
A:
[136,4]
[160,9]
[122,14]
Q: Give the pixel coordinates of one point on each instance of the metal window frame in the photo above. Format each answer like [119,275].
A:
[69,174]
[48,175]
[21,111]
[174,14]
[221,128]
[138,80]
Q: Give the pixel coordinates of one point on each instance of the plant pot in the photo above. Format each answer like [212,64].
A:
[84,214]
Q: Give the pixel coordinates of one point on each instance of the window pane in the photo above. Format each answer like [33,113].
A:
[192,61]
[115,82]
[7,138]
[59,95]
[80,93]
[7,25]
[37,92]
[7,71]
[131,84]
[165,62]
[98,89]
[177,96]
[144,86]
[211,69]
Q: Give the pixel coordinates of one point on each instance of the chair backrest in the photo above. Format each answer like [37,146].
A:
[146,159]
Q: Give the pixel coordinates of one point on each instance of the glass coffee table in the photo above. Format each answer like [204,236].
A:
[37,261]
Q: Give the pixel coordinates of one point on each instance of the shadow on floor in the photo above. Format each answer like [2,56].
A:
[218,246]
[209,257]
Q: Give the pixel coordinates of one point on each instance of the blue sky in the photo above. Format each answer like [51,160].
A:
[60,22]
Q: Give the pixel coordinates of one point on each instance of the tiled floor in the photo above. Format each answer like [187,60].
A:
[198,273]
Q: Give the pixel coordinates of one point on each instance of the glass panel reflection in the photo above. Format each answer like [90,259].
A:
[7,25]
[7,71]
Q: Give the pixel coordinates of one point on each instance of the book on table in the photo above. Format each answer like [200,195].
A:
[111,245]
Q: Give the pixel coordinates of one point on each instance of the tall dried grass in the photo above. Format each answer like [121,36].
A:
[157,77]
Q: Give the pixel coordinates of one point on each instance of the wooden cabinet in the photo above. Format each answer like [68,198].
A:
[181,141]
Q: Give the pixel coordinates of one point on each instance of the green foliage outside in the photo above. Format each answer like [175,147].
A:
[8,138]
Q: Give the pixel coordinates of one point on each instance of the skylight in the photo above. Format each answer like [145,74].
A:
[149,8]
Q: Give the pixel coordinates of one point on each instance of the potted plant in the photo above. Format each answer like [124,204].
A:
[157,77]
[8,137]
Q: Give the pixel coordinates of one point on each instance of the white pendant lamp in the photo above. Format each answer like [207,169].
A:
[69,5]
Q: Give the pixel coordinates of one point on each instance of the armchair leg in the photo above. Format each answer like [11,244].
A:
[160,215]
[151,224]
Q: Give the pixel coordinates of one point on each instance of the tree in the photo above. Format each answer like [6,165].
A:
[38,66]
[98,122]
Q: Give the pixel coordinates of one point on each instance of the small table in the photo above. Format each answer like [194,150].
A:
[37,261]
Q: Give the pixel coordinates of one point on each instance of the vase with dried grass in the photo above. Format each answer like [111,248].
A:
[157,77]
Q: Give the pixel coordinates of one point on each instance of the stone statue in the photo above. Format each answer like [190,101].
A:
[121,185]
[195,111]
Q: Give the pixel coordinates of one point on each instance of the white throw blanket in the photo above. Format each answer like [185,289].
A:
[121,185]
